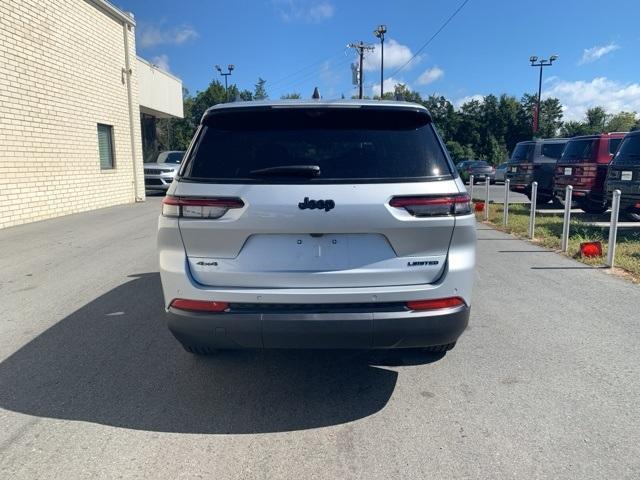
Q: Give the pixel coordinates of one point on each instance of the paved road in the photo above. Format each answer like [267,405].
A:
[496,193]
[544,384]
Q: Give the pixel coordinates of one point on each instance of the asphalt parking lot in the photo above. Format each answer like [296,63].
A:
[544,383]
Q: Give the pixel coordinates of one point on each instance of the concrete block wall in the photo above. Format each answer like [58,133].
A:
[61,73]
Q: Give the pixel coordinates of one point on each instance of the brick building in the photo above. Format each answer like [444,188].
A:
[70,108]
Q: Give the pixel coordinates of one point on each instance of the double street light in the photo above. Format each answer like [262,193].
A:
[379,32]
[225,75]
[540,62]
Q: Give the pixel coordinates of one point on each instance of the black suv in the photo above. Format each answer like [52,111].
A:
[624,175]
[535,161]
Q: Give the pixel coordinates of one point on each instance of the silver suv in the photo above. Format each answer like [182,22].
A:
[158,175]
[317,225]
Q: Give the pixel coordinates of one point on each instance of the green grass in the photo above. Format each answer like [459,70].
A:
[549,232]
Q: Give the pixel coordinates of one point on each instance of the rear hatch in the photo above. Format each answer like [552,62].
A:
[577,166]
[310,195]
[624,171]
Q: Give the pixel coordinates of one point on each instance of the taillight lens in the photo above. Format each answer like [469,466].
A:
[207,208]
[435,304]
[434,206]
[199,305]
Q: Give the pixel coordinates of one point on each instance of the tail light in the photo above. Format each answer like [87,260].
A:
[199,305]
[189,207]
[434,206]
[435,304]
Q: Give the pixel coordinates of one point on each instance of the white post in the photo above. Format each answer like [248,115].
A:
[486,200]
[613,228]
[532,209]
[505,216]
[471,187]
[568,195]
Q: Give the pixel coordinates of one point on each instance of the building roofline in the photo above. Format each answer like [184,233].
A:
[156,67]
[110,9]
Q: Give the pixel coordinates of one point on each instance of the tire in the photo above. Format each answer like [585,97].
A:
[199,349]
[541,200]
[439,348]
[558,202]
[633,216]
[593,208]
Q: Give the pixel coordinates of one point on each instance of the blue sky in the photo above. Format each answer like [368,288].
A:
[485,49]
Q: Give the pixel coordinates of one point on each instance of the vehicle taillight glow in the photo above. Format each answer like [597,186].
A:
[435,304]
[199,305]
[434,206]
[207,208]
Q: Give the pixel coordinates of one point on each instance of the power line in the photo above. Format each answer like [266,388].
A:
[297,72]
[308,76]
[442,27]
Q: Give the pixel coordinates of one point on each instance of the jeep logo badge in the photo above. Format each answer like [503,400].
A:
[325,205]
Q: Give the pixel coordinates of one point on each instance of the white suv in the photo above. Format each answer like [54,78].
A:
[317,224]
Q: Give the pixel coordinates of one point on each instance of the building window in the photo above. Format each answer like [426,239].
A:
[105,146]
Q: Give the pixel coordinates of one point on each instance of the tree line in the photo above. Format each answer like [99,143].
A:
[486,128]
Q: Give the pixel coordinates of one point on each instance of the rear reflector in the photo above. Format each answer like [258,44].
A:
[435,304]
[591,249]
[207,208]
[434,206]
[198,305]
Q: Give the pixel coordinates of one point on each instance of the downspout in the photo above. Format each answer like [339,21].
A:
[127,73]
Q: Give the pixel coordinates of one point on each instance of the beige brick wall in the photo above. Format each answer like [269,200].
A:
[61,67]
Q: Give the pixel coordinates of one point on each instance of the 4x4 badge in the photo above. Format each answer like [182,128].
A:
[325,205]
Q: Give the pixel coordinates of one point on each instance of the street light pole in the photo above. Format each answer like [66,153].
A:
[543,62]
[379,32]
[230,69]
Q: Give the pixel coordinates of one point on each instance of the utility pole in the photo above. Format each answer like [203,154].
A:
[542,63]
[361,48]
[379,32]
[225,75]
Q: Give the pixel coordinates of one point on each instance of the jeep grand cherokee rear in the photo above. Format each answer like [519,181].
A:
[317,225]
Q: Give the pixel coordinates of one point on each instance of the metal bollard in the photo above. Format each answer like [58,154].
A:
[568,195]
[532,209]
[471,187]
[613,228]
[505,215]
[486,200]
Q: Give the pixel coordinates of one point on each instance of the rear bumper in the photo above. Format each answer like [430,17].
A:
[381,330]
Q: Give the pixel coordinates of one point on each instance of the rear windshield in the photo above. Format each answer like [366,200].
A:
[479,163]
[522,153]
[614,143]
[553,150]
[579,150]
[629,152]
[347,144]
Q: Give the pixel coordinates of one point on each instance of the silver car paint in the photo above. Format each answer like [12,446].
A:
[378,274]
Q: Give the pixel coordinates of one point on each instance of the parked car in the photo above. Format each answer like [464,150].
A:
[584,166]
[480,170]
[501,173]
[624,175]
[535,161]
[158,175]
[317,225]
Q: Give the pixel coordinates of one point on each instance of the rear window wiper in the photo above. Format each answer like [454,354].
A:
[289,170]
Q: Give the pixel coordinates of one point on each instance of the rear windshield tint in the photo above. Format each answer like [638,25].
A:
[522,153]
[348,145]
[614,143]
[553,150]
[579,150]
[629,152]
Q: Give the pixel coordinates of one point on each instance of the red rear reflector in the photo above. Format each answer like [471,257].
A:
[435,304]
[479,207]
[591,249]
[637,205]
[434,206]
[199,305]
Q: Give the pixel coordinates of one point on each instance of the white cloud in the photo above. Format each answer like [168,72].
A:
[151,35]
[595,53]
[578,96]
[162,62]
[311,11]
[430,75]
[395,55]
[389,86]
[469,98]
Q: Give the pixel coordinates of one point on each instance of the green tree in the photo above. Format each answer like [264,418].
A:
[622,122]
[596,119]
[291,96]
[573,129]
[460,152]
[260,92]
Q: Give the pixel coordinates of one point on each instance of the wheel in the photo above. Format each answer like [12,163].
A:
[199,349]
[595,208]
[440,348]
[541,200]
[633,215]
[558,202]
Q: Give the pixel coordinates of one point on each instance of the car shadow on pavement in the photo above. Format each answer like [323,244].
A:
[114,362]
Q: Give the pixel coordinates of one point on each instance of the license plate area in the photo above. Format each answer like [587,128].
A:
[626,176]
[568,171]
[513,169]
